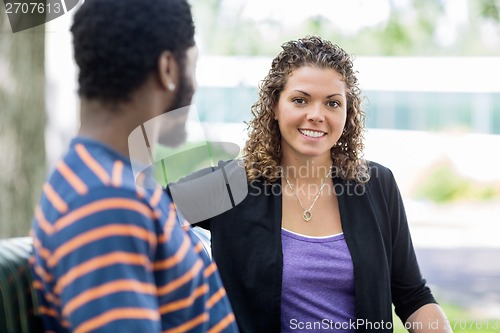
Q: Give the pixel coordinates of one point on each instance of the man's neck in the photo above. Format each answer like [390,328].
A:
[110,125]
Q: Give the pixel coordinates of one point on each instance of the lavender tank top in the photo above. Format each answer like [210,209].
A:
[318,284]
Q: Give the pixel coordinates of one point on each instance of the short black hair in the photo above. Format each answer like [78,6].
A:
[117,43]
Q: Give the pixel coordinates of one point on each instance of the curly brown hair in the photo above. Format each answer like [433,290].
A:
[262,151]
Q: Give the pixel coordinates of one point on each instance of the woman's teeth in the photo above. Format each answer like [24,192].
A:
[312,134]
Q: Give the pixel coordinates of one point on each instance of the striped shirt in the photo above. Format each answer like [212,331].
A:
[110,256]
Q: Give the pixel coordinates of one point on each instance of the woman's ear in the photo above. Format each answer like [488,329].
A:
[167,71]
[274,110]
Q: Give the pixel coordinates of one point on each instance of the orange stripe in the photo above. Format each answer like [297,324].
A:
[75,181]
[93,165]
[51,298]
[189,325]
[199,247]
[157,214]
[100,262]
[37,285]
[209,270]
[116,314]
[97,234]
[169,224]
[155,199]
[47,311]
[182,279]
[176,258]
[42,221]
[43,252]
[139,180]
[222,324]
[101,205]
[46,277]
[141,194]
[184,303]
[106,289]
[54,198]
[117,173]
[216,297]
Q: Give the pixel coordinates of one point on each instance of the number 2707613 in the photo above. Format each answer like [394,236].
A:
[32,8]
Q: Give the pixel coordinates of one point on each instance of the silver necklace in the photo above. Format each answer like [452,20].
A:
[307,215]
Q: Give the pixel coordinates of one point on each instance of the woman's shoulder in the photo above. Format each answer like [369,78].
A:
[377,168]
[380,174]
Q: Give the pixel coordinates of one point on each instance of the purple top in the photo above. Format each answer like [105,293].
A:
[318,284]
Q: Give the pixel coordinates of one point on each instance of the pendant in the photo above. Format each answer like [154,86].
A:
[307,215]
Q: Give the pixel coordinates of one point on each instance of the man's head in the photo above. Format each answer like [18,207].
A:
[119,44]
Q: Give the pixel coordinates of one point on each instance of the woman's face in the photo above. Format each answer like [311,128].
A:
[311,113]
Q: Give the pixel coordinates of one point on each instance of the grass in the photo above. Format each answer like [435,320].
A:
[460,321]
[174,163]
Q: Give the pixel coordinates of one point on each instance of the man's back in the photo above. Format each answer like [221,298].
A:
[112,257]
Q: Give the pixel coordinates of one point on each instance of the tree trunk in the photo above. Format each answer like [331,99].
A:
[22,125]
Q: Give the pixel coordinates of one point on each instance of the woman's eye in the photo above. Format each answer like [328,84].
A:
[333,104]
[298,101]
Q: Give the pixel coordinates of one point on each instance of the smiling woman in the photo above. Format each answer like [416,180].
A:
[304,249]
[308,78]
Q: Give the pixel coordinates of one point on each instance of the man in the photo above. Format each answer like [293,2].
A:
[110,256]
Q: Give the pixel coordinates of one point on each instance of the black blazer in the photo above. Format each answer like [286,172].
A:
[246,245]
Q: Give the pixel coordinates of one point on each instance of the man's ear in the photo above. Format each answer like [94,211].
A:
[168,71]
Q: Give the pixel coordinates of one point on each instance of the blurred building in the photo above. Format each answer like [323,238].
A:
[401,92]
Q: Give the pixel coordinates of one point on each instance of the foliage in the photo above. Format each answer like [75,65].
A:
[412,29]
[490,9]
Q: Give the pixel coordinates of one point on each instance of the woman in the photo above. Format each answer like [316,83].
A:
[321,242]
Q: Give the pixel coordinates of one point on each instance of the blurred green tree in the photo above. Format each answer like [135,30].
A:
[415,28]
[490,9]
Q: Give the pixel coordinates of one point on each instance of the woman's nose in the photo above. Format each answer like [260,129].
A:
[315,114]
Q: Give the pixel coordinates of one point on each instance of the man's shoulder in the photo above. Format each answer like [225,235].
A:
[93,166]
[89,174]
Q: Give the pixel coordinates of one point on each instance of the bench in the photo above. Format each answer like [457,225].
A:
[17,297]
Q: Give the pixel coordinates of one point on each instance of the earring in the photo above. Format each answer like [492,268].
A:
[171,86]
